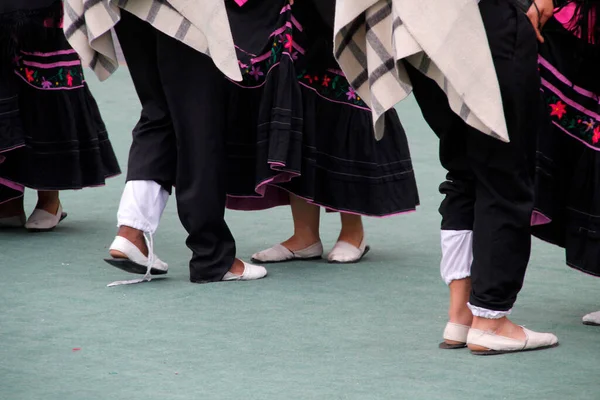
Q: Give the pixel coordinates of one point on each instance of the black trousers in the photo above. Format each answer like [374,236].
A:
[489,186]
[153,152]
[180,138]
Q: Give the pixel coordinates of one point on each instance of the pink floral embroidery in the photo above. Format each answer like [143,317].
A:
[46,84]
[69,80]
[596,137]
[559,109]
[351,93]
[242,65]
[588,124]
[289,44]
[256,72]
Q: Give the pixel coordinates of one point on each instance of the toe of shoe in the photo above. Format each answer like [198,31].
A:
[537,339]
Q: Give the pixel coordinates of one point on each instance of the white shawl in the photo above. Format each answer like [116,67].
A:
[445,39]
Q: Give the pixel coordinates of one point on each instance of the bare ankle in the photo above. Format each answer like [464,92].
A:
[300,241]
[129,232]
[238,267]
[135,236]
[462,316]
[501,326]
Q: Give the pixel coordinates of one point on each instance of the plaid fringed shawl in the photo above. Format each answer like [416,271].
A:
[200,24]
[444,39]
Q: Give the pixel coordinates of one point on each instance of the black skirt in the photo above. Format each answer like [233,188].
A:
[52,136]
[298,127]
[568,170]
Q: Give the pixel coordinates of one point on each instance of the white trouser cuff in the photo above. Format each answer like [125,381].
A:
[489,314]
[142,205]
[457,255]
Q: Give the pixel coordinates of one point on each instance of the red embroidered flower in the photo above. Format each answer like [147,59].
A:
[559,109]
[596,137]
[326,81]
[69,79]
[29,75]
[309,78]
[289,43]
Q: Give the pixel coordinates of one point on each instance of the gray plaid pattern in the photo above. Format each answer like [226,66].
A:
[200,24]
[371,47]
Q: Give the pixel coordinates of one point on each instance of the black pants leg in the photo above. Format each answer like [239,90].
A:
[491,179]
[196,92]
[153,153]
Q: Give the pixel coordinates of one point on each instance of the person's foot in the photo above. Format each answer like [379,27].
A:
[501,327]
[301,242]
[459,315]
[353,237]
[129,252]
[280,253]
[457,328]
[346,253]
[592,319]
[241,271]
[301,248]
[500,336]
[48,201]
[135,236]
[351,245]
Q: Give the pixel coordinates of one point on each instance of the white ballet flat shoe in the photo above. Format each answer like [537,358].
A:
[345,253]
[136,262]
[43,221]
[18,221]
[592,319]
[251,273]
[456,333]
[280,253]
[493,344]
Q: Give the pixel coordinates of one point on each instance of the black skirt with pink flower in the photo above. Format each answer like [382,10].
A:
[52,136]
[568,158]
[297,126]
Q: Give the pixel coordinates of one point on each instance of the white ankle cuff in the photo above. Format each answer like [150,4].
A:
[489,314]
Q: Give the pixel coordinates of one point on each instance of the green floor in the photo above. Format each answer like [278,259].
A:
[308,331]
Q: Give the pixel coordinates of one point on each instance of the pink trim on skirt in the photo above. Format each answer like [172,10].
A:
[269,195]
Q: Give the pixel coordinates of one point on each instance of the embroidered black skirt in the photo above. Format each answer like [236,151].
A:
[297,126]
[52,136]
[568,165]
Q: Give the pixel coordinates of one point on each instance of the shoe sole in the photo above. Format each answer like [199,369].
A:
[590,323]
[62,217]
[448,346]
[498,352]
[367,249]
[256,261]
[133,268]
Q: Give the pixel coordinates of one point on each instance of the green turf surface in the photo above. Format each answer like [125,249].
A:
[308,331]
